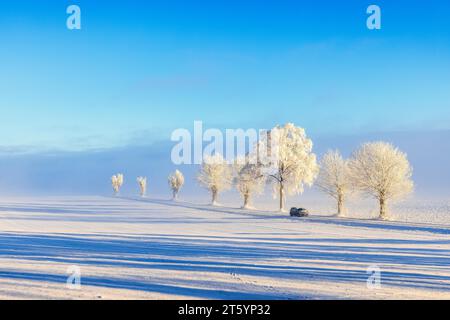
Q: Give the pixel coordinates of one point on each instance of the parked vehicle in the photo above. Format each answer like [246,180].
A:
[299,212]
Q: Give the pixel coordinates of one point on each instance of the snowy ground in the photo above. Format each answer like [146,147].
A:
[157,249]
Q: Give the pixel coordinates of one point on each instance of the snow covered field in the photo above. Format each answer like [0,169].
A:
[157,249]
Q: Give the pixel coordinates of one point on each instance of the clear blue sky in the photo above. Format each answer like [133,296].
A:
[139,69]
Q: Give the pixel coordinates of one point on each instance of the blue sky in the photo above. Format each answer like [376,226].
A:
[139,69]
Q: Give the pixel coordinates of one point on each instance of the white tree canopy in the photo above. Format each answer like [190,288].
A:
[381,171]
[334,177]
[142,182]
[249,179]
[290,163]
[176,181]
[215,175]
[117,182]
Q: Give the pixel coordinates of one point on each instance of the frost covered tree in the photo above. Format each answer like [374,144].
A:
[249,179]
[381,171]
[215,175]
[117,182]
[176,181]
[291,163]
[334,178]
[142,182]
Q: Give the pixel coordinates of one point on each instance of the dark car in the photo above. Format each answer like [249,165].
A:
[299,212]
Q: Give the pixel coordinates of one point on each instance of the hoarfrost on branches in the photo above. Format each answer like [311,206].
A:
[117,182]
[215,175]
[142,182]
[334,178]
[289,161]
[381,171]
[176,181]
[249,179]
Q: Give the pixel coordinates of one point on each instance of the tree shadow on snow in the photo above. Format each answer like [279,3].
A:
[334,261]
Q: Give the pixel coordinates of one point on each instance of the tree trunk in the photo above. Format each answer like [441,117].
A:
[174,195]
[214,195]
[281,197]
[246,200]
[340,204]
[383,208]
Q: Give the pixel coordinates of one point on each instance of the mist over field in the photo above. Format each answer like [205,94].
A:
[89,172]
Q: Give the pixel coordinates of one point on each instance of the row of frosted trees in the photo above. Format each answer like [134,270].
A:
[175,180]
[284,159]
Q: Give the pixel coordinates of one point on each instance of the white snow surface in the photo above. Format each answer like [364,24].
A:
[132,248]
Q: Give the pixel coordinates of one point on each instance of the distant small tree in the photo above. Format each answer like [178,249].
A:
[117,182]
[334,178]
[176,181]
[142,182]
[249,179]
[292,164]
[215,175]
[381,171]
